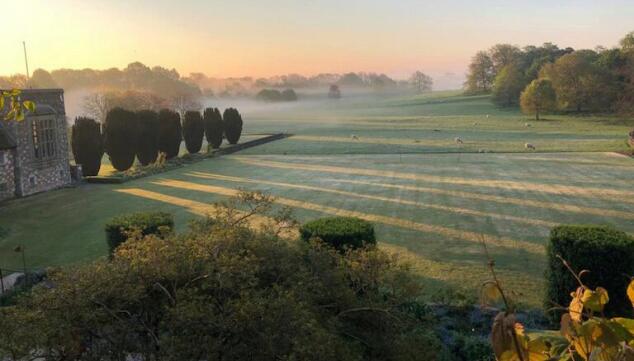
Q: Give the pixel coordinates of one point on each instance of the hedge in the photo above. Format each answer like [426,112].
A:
[146,222]
[233,125]
[340,232]
[87,145]
[170,133]
[120,138]
[214,127]
[193,131]
[607,253]
[147,148]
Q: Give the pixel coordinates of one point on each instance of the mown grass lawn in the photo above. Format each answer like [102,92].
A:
[432,201]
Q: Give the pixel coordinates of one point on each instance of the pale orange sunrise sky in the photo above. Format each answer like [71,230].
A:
[263,38]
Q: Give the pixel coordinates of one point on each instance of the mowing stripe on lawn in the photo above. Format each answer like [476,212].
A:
[422,227]
[624,196]
[198,208]
[459,210]
[499,199]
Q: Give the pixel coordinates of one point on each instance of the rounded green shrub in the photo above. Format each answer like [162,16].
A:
[170,133]
[147,148]
[214,127]
[118,229]
[120,138]
[607,253]
[87,145]
[340,232]
[233,125]
[193,131]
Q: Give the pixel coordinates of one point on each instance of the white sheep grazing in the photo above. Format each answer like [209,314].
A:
[487,116]
[528,125]
[458,140]
[354,137]
[481,150]
[529,146]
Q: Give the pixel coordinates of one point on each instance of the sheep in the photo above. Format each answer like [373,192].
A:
[458,140]
[527,125]
[354,137]
[482,151]
[529,146]
[487,116]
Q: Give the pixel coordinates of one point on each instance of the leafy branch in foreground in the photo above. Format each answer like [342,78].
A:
[17,108]
[585,333]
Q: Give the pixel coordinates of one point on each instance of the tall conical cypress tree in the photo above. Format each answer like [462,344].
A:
[233,125]
[147,147]
[193,131]
[120,138]
[87,145]
[170,134]
[214,127]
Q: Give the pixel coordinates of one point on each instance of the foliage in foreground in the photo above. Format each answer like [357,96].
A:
[585,332]
[340,232]
[87,145]
[120,228]
[224,291]
[609,253]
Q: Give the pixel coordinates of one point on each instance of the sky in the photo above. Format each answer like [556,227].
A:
[263,38]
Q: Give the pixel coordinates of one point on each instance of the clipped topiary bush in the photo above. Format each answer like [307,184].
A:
[233,125]
[214,127]
[607,253]
[170,134]
[120,138]
[87,145]
[340,232]
[147,148]
[118,229]
[193,131]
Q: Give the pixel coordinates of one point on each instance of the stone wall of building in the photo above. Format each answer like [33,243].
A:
[35,175]
[7,176]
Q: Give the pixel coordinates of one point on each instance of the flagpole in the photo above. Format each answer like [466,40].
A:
[26,61]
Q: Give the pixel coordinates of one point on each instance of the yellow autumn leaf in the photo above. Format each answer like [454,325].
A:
[630,292]
[576,305]
[595,300]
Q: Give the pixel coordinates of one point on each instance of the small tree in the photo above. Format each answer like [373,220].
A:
[170,136]
[147,148]
[214,127]
[87,145]
[233,125]
[120,138]
[193,131]
[538,97]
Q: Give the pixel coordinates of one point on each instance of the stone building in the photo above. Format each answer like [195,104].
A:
[34,152]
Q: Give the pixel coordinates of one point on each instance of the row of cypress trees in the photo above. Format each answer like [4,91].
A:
[126,135]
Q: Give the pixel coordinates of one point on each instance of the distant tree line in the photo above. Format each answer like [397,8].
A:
[126,135]
[547,78]
[274,95]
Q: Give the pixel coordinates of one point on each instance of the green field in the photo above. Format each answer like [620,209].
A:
[431,199]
